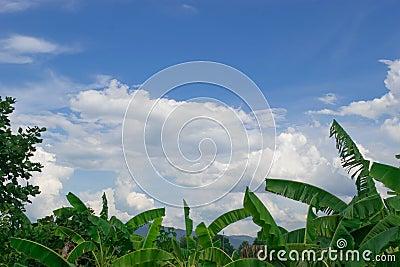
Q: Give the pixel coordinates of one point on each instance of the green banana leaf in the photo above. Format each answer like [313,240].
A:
[295,236]
[101,224]
[191,244]
[385,224]
[309,233]
[80,249]
[39,252]
[119,225]
[143,218]
[154,230]
[305,193]
[137,240]
[325,226]
[76,202]
[63,231]
[104,209]
[342,233]
[249,263]
[350,155]
[64,211]
[215,255]
[364,208]
[379,242]
[143,256]
[203,236]
[261,216]
[226,219]
[177,250]
[386,174]
[353,161]
[393,204]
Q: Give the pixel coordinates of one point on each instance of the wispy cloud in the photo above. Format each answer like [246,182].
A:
[9,6]
[189,8]
[12,6]
[329,98]
[21,49]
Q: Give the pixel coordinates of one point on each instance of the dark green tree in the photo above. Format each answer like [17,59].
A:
[16,168]
[225,244]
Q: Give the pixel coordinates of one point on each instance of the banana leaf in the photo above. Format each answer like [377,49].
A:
[154,230]
[305,193]
[143,256]
[203,236]
[39,252]
[261,216]
[81,249]
[215,255]
[143,218]
[76,202]
[226,219]
[386,174]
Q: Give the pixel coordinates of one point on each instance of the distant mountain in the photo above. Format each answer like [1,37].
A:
[235,240]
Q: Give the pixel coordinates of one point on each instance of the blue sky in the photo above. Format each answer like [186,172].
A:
[68,63]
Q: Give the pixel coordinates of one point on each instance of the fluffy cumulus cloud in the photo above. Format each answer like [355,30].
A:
[50,182]
[298,157]
[88,137]
[94,200]
[388,104]
[21,49]
[392,128]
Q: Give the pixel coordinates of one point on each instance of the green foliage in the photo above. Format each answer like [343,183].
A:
[143,256]
[270,231]
[386,174]
[104,210]
[39,252]
[165,237]
[306,193]
[227,219]
[16,151]
[75,236]
[16,168]
[143,218]
[190,243]
[225,245]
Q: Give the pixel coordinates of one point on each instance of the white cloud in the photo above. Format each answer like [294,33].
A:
[299,158]
[94,201]
[329,98]
[7,6]
[392,128]
[140,201]
[90,138]
[388,104]
[189,8]
[50,182]
[11,6]
[52,92]
[22,49]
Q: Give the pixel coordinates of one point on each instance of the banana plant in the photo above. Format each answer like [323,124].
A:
[97,240]
[200,250]
[367,222]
